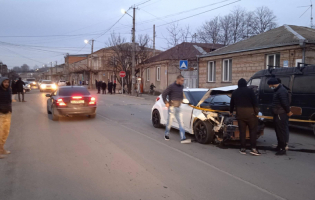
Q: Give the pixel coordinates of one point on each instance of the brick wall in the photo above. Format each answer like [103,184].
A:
[248,63]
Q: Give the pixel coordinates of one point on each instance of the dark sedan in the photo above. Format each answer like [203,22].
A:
[71,100]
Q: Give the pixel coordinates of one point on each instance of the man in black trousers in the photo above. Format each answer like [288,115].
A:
[245,103]
[280,109]
[20,89]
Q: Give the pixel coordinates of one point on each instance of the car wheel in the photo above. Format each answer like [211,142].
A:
[54,116]
[92,116]
[203,132]
[156,119]
[48,112]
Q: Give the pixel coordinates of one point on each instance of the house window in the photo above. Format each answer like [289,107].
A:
[273,60]
[211,71]
[158,73]
[227,70]
[148,74]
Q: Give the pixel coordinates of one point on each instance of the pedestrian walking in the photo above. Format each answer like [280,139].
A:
[72,81]
[245,103]
[104,87]
[110,87]
[281,112]
[14,91]
[114,87]
[20,89]
[5,113]
[175,98]
[98,86]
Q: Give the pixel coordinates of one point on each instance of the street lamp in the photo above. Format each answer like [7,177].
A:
[123,11]
[92,44]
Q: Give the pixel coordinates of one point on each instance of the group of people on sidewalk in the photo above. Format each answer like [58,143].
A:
[244,102]
[101,85]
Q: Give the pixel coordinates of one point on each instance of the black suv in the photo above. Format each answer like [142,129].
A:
[300,81]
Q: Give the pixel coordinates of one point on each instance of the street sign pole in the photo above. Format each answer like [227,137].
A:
[122,81]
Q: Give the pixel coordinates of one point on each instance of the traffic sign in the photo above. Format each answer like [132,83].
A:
[183,64]
[122,74]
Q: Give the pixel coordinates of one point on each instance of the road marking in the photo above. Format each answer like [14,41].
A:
[199,160]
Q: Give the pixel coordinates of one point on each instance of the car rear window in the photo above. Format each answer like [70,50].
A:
[47,82]
[71,91]
[304,85]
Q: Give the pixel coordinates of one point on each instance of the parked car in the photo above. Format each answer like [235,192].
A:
[61,83]
[47,85]
[32,81]
[300,82]
[27,87]
[71,100]
[205,114]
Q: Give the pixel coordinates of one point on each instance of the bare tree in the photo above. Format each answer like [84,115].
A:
[226,27]
[176,34]
[237,24]
[121,59]
[25,67]
[265,20]
[210,31]
[248,30]
[17,69]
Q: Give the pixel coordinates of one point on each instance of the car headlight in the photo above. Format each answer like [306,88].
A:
[28,86]
[34,82]
[54,86]
[42,86]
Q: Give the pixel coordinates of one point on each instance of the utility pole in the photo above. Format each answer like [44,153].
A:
[154,40]
[56,69]
[90,81]
[51,71]
[133,52]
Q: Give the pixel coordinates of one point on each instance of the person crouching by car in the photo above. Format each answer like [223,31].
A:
[280,109]
[5,113]
[245,102]
[175,98]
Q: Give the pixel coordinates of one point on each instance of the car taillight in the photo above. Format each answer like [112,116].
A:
[158,98]
[92,101]
[60,102]
[76,97]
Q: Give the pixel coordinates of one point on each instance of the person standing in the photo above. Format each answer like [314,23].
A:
[14,92]
[110,85]
[20,89]
[280,109]
[5,113]
[175,98]
[114,87]
[104,87]
[98,86]
[244,101]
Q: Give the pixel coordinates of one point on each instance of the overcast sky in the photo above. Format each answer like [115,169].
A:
[87,19]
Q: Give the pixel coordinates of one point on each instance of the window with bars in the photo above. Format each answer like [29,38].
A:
[158,73]
[148,74]
[211,71]
[227,70]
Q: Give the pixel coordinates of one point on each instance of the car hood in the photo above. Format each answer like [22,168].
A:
[219,90]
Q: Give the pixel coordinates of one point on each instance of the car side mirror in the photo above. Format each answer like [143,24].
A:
[48,95]
[185,101]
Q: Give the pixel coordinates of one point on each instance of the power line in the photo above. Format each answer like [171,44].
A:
[23,56]
[193,15]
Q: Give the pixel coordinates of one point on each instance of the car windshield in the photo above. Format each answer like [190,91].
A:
[73,91]
[26,82]
[212,99]
[47,82]
[30,79]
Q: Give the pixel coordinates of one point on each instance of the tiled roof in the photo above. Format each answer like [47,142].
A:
[282,36]
[185,51]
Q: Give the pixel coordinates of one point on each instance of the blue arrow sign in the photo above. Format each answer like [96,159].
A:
[183,64]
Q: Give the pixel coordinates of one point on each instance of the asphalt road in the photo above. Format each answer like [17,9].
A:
[119,155]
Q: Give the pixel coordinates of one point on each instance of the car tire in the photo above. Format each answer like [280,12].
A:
[203,131]
[92,116]
[54,116]
[156,119]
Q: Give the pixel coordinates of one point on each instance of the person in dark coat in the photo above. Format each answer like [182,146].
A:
[280,109]
[114,87]
[98,86]
[245,103]
[110,87]
[104,87]
[14,91]
[5,113]
[20,89]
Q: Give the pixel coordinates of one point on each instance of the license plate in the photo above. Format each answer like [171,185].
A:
[77,101]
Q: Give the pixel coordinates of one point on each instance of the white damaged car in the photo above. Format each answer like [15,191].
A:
[205,114]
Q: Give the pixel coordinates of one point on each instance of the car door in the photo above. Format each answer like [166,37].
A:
[186,111]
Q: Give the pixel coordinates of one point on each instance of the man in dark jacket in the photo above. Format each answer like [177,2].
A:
[280,109]
[245,102]
[104,87]
[99,86]
[110,87]
[175,98]
[20,89]
[5,113]
[114,87]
